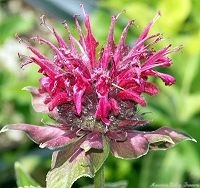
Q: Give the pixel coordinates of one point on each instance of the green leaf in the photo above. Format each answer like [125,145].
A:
[73,162]
[23,178]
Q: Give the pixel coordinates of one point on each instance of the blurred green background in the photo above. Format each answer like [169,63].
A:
[177,106]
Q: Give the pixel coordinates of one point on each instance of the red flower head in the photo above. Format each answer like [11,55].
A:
[121,74]
[94,98]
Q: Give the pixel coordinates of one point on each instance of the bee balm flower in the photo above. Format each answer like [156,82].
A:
[94,99]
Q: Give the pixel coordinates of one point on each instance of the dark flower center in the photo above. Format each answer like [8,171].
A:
[86,121]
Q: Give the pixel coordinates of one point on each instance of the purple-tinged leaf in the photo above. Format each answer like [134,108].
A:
[92,141]
[165,138]
[46,136]
[158,141]
[70,164]
[138,143]
[133,147]
[61,141]
[67,166]
[175,135]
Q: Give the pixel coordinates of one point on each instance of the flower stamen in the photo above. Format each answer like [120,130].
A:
[117,86]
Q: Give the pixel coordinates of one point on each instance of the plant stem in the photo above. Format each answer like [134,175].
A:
[99,178]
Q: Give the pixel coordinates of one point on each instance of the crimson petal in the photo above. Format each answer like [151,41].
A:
[150,88]
[130,95]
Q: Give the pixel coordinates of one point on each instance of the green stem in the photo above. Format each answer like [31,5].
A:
[99,178]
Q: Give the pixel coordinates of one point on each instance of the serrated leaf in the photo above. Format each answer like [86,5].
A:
[23,178]
[72,163]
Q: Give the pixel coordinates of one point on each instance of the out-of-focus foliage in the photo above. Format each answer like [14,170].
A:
[23,179]
[16,17]
[177,106]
